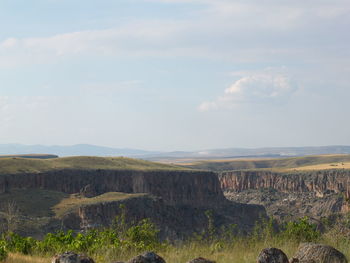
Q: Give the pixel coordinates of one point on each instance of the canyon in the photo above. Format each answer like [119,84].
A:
[292,194]
[176,200]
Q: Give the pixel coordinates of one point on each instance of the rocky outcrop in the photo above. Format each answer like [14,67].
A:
[4,186]
[319,182]
[71,257]
[288,196]
[175,200]
[174,221]
[272,255]
[291,206]
[318,253]
[148,257]
[201,260]
[174,187]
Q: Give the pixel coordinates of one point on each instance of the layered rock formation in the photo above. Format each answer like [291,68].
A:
[176,200]
[290,195]
[174,187]
[319,182]
[174,221]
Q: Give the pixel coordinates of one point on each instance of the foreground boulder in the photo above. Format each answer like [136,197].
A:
[71,257]
[201,260]
[272,255]
[318,253]
[148,257]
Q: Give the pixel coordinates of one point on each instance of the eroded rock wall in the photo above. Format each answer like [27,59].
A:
[174,221]
[289,196]
[319,182]
[174,187]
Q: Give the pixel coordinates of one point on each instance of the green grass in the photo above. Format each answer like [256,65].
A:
[282,163]
[23,165]
[33,202]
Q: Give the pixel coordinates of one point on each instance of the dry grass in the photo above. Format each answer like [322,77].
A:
[46,203]
[325,166]
[74,201]
[25,165]
[278,164]
[17,258]
[241,251]
[33,202]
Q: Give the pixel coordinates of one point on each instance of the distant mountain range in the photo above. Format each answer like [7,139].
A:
[72,150]
[93,150]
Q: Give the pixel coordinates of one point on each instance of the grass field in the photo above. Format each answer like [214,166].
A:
[18,258]
[280,163]
[324,166]
[33,202]
[24,165]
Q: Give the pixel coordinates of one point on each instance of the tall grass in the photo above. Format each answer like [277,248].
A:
[223,246]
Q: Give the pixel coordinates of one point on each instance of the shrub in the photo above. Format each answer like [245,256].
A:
[3,252]
[301,230]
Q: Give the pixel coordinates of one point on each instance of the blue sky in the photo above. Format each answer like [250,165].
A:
[175,74]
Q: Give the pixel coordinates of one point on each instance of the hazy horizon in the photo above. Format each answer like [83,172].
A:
[170,75]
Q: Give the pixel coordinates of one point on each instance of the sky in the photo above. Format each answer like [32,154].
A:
[175,74]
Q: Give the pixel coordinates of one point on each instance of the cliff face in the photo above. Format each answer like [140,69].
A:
[319,182]
[288,196]
[175,200]
[174,221]
[174,187]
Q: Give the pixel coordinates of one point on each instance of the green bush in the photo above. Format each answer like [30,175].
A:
[3,252]
[122,237]
[301,230]
[18,244]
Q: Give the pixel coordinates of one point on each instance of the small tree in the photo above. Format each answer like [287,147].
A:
[11,214]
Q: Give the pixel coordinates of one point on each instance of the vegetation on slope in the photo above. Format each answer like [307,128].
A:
[283,163]
[31,211]
[74,201]
[124,240]
[24,165]
[31,156]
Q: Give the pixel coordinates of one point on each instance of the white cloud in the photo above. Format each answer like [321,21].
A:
[258,87]
[140,38]
[9,43]
[240,31]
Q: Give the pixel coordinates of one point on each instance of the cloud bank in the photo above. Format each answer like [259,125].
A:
[267,86]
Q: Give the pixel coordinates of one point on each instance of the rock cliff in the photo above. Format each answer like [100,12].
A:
[318,182]
[174,221]
[174,187]
[291,195]
[176,200]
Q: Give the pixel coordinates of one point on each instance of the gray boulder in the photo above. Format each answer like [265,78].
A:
[272,255]
[318,253]
[201,260]
[148,257]
[71,257]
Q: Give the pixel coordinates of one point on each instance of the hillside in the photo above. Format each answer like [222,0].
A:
[31,156]
[15,165]
[332,161]
[86,192]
